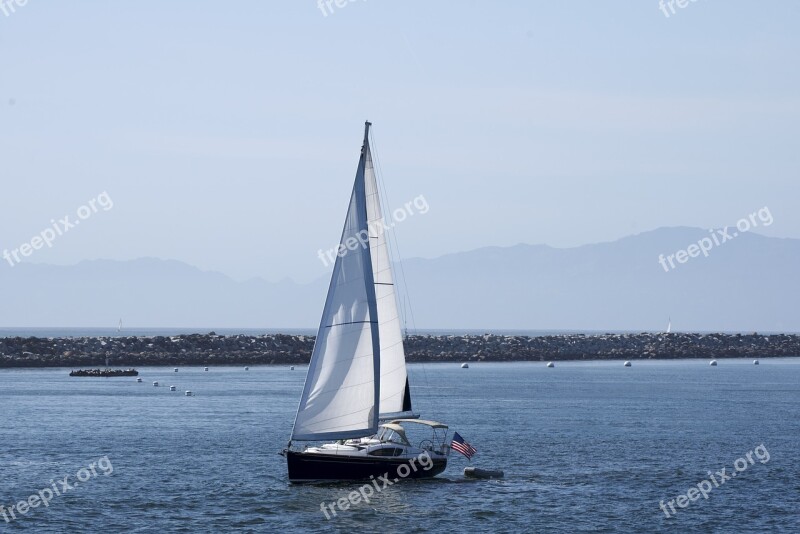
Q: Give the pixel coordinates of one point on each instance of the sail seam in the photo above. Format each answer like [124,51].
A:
[343,415]
[353,359]
[353,322]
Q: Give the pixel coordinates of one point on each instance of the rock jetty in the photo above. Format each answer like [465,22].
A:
[284,349]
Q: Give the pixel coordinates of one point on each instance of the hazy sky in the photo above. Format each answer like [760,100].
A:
[227,133]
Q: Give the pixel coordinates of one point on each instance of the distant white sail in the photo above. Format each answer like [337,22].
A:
[341,394]
[395,395]
[669,325]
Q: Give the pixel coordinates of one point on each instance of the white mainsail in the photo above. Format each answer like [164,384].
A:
[341,396]
[395,398]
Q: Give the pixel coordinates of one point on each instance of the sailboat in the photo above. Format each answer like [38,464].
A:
[357,391]
[669,325]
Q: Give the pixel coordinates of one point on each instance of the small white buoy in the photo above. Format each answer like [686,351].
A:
[627,364]
[205,368]
[188,393]
[155,384]
[138,379]
[550,364]
[291,368]
[176,369]
[713,363]
[755,362]
[246,368]
[172,388]
[465,365]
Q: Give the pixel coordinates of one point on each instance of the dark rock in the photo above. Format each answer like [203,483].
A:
[281,349]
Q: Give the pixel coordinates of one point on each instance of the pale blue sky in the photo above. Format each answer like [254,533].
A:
[227,133]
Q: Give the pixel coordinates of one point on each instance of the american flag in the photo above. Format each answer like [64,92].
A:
[459,445]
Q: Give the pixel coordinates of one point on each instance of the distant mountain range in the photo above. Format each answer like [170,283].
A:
[749,283]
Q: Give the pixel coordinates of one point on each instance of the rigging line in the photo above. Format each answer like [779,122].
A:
[391,240]
[384,208]
[391,237]
[394,244]
[376,164]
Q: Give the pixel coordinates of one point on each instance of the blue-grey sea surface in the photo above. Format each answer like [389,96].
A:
[585,446]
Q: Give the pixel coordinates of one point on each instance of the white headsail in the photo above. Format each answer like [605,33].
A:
[395,395]
[341,396]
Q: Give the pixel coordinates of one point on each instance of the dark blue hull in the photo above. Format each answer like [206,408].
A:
[306,467]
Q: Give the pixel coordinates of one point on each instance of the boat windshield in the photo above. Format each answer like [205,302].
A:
[387,434]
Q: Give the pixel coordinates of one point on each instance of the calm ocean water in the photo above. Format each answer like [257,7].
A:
[586,447]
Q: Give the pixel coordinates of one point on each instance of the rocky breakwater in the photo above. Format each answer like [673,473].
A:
[494,348]
[193,349]
[211,349]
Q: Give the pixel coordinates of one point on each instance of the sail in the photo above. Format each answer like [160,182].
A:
[341,394]
[394,391]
